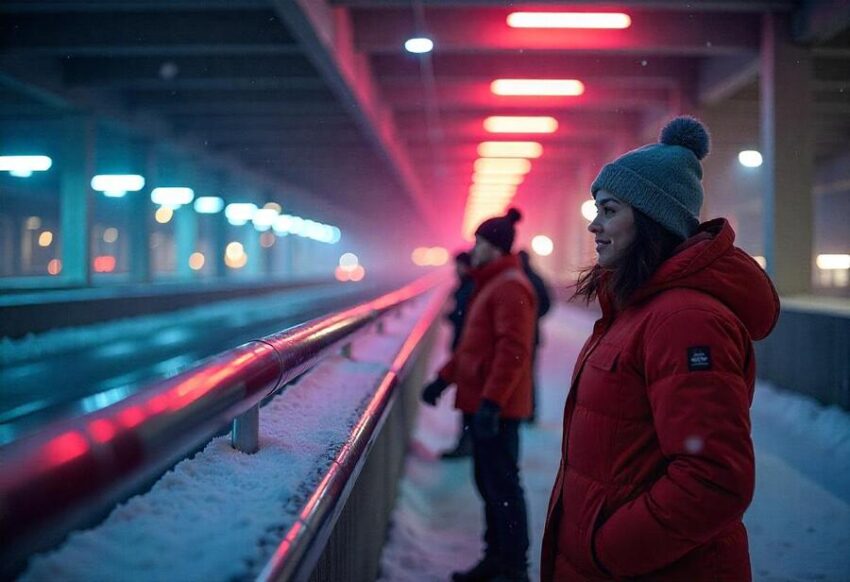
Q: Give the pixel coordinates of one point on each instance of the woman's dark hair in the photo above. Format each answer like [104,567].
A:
[653,244]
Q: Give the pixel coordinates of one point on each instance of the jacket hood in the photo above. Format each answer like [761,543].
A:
[710,262]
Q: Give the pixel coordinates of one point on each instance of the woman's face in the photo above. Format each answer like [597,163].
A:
[613,229]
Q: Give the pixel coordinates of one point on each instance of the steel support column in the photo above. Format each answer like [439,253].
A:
[787,150]
[76,170]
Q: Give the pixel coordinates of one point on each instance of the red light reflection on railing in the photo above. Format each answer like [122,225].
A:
[101,430]
[195,387]
[158,403]
[132,416]
[65,447]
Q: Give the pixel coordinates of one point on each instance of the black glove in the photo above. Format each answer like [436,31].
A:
[485,422]
[433,390]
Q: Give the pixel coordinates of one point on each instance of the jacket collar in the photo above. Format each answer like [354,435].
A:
[709,262]
[484,274]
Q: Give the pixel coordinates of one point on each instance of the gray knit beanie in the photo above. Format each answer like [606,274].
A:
[662,180]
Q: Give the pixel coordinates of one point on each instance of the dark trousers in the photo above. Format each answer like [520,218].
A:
[495,464]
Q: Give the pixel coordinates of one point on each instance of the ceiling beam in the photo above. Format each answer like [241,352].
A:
[326,34]
[722,77]
[88,6]
[127,71]
[166,51]
[477,95]
[137,30]
[415,132]
[272,121]
[314,136]
[648,71]
[818,21]
[219,106]
[737,6]
[202,101]
[479,29]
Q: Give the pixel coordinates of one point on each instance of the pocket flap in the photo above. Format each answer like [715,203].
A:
[605,357]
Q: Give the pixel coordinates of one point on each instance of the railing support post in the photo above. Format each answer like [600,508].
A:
[345,351]
[245,435]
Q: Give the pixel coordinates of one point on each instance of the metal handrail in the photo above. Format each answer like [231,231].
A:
[58,479]
[302,545]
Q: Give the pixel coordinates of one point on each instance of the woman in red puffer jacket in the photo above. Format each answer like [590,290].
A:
[657,463]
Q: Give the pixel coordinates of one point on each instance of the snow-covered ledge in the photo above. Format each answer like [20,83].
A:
[223,514]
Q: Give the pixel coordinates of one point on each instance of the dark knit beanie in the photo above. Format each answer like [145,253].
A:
[500,231]
[662,180]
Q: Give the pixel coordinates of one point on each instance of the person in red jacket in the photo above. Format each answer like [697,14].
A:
[657,463]
[491,367]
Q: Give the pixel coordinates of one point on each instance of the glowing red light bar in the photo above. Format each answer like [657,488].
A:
[492,190]
[537,87]
[510,149]
[487,179]
[611,20]
[502,166]
[518,124]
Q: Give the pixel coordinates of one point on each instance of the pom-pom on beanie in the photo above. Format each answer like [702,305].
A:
[500,231]
[662,180]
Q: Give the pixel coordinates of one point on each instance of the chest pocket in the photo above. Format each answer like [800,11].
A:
[605,357]
[599,385]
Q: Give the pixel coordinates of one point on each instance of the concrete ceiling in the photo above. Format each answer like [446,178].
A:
[319,100]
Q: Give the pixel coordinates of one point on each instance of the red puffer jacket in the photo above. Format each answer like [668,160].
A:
[657,462]
[493,357]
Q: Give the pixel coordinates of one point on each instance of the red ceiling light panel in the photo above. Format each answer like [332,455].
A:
[502,166]
[537,87]
[587,20]
[510,149]
[517,124]
[485,179]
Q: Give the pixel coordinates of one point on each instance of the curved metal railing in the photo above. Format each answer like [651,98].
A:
[75,469]
[301,547]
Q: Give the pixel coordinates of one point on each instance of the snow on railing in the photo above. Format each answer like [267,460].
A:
[73,471]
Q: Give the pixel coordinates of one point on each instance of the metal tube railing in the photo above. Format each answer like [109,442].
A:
[73,471]
[302,545]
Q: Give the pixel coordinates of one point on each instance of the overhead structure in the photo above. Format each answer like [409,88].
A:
[377,115]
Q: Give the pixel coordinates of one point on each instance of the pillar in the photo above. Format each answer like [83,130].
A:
[77,168]
[142,212]
[787,151]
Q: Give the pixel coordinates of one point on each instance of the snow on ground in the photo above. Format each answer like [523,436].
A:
[799,522]
[219,515]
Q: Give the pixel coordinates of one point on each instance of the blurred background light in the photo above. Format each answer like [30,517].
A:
[208,205]
[117,185]
[24,166]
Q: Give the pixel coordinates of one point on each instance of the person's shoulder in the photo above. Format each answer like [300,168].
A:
[687,308]
[680,298]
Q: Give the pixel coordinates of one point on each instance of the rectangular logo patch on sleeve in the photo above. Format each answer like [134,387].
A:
[699,358]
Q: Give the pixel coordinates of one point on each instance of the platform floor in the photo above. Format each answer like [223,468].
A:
[799,522]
